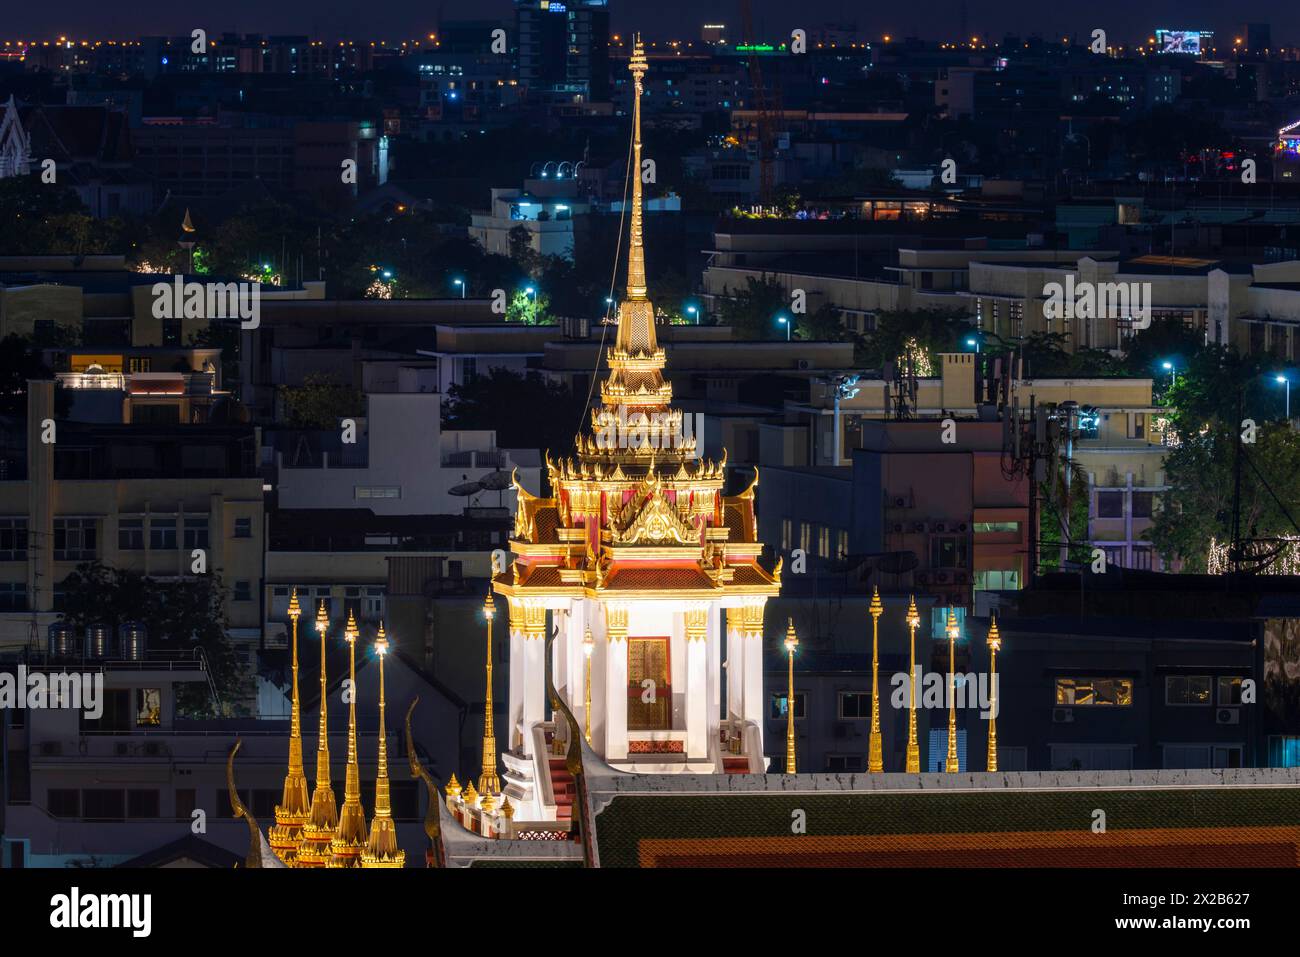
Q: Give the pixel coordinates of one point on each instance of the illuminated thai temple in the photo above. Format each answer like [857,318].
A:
[638,546]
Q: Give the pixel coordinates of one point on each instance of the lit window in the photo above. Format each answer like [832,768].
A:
[1187,689]
[1090,692]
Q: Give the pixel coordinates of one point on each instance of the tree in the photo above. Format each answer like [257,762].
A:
[521,250]
[531,309]
[752,312]
[177,615]
[526,411]
[18,363]
[320,402]
[921,333]
[824,324]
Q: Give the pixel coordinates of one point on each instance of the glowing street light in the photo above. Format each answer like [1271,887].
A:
[694,313]
[1287,382]
[782,320]
[461,283]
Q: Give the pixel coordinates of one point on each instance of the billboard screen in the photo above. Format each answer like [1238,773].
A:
[1180,41]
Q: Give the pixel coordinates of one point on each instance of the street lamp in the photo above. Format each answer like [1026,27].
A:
[1284,379]
[913,749]
[461,284]
[694,313]
[995,644]
[846,387]
[973,343]
[791,643]
[787,323]
[951,766]
[875,757]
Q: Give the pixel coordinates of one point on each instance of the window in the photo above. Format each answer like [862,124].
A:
[1230,690]
[778,709]
[130,534]
[196,533]
[142,803]
[1110,504]
[842,543]
[997,579]
[1143,504]
[103,804]
[785,534]
[162,534]
[243,591]
[1091,692]
[116,718]
[378,491]
[805,537]
[999,527]
[13,596]
[947,551]
[148,707]
[836,763]
[1139,425]
[855,704]
[1142,557]
[373,606]
[13,539]
[74,539]
[823,541]
[186,801]
[1091,757]
[243,528]
[1187,690]
[939,622]
[63,802]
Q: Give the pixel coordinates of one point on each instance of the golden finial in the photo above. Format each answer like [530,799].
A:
[470,796]
[913,618]
[187,224]
[323,816]
[350,835]
[875,747]
[995,645]
[453,787]
[488,782]
[791,643]
[508,809]
[488,804]
[381,849]
[291,813]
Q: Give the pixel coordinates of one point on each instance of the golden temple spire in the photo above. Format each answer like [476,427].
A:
[875,752]
[636,283]
[350,835]
[291,813]
[913,749]
[323,817]
[488,783]
[995,645]
[791,643]
[382,850]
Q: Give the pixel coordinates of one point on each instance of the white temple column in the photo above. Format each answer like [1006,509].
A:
[753,680]
[697,685]
[735,663]
[533,647]
[615,684]
[713,646]
[516,713]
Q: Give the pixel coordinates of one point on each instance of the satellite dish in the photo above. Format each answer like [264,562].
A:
[466,488]
[495,481]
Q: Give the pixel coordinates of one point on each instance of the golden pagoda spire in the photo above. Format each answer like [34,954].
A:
[291,813]
[875,758]
[350,835]
[951,766]
[995,645]
[382,849]
[323,817]
[488,783]
[791,643]
[636,283]
[913,749]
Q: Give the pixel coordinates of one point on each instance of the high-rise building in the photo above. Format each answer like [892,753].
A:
[563,47]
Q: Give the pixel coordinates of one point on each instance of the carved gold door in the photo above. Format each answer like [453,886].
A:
[649,694]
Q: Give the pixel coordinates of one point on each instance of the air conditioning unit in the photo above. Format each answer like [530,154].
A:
[1228,716]
[900,502]
[898,527]
[923,578]
[803,365]
[1062,716]
[940,527]
[918,526]
[963,527]
[941,578]
[959,578]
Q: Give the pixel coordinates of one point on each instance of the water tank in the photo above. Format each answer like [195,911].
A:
[131,639]
[61,640]
[98,638]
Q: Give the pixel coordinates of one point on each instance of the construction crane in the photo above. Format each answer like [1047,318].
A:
[762,105]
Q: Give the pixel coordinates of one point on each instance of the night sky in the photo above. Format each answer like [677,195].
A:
[386,19]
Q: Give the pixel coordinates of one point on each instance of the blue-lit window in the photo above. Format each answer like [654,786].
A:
[1283,751]
[937,756]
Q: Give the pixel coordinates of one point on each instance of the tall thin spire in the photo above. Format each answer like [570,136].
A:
[382,850]
[350,835]
[636,283]
[291,813]
[323,818]
[488,782]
